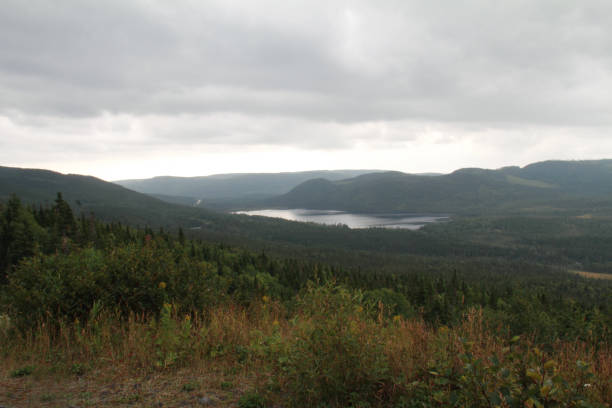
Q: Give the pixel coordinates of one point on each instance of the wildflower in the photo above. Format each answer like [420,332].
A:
[265,299]
[397,318]
[162,285]
[187,317]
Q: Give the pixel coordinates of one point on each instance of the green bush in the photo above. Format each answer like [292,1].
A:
[515,377]
[22,372]
[134,278]
[392,303]
[336,356]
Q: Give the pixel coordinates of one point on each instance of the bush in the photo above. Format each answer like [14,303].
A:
[22,372]
[393,303]
[336,356]
[134,278]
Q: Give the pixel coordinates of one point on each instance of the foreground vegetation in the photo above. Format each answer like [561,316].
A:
[331,350]
[108,304]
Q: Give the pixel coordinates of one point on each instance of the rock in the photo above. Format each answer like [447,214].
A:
[206,401]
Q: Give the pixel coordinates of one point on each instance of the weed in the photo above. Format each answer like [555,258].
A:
[22,372]
[252,400]
[172,338]
[78,369]
[129,399]
[190,386]
[48,397]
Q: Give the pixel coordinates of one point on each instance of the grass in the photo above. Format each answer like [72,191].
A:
[265,355]
[529,183]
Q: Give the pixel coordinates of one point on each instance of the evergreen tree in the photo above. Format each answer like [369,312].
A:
[64,219]
[19,235]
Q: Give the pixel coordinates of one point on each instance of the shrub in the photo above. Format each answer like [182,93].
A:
[134,278]
[22,372]
[336,355]
[393,303]
[252,400]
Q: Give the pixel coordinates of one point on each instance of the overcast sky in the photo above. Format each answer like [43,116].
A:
[132,89]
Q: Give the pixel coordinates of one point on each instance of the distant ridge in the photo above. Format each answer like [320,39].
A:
[233,185]
[581,187]
[550,184]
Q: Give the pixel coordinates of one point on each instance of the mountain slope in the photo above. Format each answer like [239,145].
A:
[89,194]
[232,186]
[553,184]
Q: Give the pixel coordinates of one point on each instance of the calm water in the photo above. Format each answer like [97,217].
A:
[330,217]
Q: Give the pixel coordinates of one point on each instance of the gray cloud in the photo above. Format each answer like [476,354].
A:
[542,62]
[119,76]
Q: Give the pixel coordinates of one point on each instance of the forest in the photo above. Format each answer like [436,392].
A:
[304,326]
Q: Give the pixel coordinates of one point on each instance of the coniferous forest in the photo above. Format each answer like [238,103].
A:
[84,298]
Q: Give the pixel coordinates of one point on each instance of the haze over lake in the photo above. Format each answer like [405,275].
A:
[351,220]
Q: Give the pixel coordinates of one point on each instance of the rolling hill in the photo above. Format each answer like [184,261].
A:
[87,194]
[541,232]
[111,202]
[200,191]
[544,186]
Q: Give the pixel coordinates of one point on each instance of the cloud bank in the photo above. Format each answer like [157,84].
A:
[327,83]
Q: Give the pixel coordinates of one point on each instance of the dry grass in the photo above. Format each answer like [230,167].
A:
[592,275]
[221,356]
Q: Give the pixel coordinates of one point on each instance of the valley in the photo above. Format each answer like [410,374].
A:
[522,264]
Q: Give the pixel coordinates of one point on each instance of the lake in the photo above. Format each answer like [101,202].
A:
[351,220]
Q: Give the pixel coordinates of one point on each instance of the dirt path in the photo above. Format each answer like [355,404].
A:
[106,388]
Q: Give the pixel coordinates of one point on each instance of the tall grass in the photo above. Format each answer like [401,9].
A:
[330,350]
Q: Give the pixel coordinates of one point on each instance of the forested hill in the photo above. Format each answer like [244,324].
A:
[232,186]
[546,186]
[89,194]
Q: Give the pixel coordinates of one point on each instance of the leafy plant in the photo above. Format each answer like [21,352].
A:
[252,399]
[22,372]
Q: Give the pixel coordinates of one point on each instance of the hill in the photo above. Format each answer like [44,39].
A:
[88,194]
[546,186]
[222,187]
[111,202]
[540,235]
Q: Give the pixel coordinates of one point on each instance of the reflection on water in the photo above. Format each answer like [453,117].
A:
[330,217]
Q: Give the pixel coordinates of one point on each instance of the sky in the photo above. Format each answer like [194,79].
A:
[141,88]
